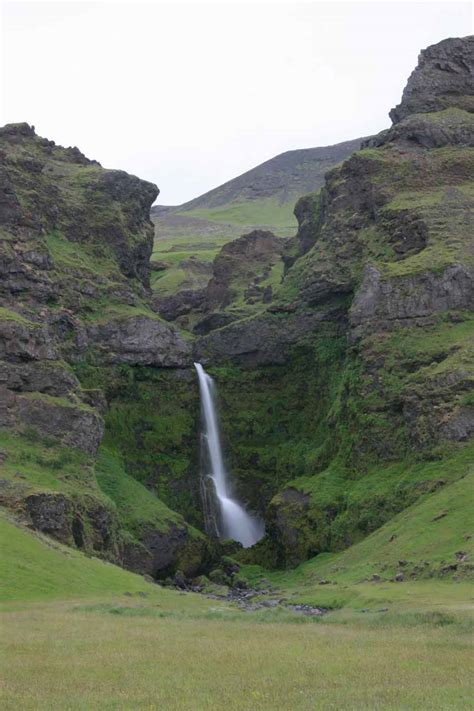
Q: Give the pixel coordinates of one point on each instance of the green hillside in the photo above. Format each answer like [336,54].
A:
[37,568]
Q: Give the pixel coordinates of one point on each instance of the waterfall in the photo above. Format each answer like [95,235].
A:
[225,516]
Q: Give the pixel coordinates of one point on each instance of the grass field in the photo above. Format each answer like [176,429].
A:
[142,655]
[78,633]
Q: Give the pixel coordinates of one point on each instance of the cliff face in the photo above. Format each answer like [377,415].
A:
[383,259]
[47,188]
[74,274]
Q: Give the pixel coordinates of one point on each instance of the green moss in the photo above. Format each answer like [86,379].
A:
[152,421]
[271,429]
[97,260]
[55,401]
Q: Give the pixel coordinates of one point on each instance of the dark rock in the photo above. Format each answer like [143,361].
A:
[310,217]
[50,513]
[160,552]
[78,426]
[451,127]
[158,266]
[384,303]
[442,79]
[57,515]
[242,259]
[179,580]
[180,304]
[21,340]
[138,340]
[240,266]
[446,569]
[213,321]
[262,340]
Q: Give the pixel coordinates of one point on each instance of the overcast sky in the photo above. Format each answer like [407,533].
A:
[191,95]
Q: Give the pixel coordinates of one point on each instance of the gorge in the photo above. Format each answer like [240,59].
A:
[343,354]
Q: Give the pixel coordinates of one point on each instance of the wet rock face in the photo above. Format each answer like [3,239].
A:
[443,78]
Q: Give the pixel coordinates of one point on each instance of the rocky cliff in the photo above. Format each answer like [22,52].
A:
[382,264]
[74,263]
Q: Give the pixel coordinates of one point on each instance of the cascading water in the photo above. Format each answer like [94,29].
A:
[232,520]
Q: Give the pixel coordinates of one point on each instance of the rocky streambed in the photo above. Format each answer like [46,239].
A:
[248,599]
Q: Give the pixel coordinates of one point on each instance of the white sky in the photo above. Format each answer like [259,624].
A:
[189,95]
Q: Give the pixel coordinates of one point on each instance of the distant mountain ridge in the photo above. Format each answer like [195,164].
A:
[285,177]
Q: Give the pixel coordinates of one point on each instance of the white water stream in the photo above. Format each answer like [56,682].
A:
[233,521]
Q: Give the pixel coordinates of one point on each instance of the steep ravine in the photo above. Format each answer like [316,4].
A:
[343,356]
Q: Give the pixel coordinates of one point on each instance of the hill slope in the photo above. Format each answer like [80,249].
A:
[283,178]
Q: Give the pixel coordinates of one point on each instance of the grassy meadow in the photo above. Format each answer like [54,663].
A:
[79,633]
[141,655]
